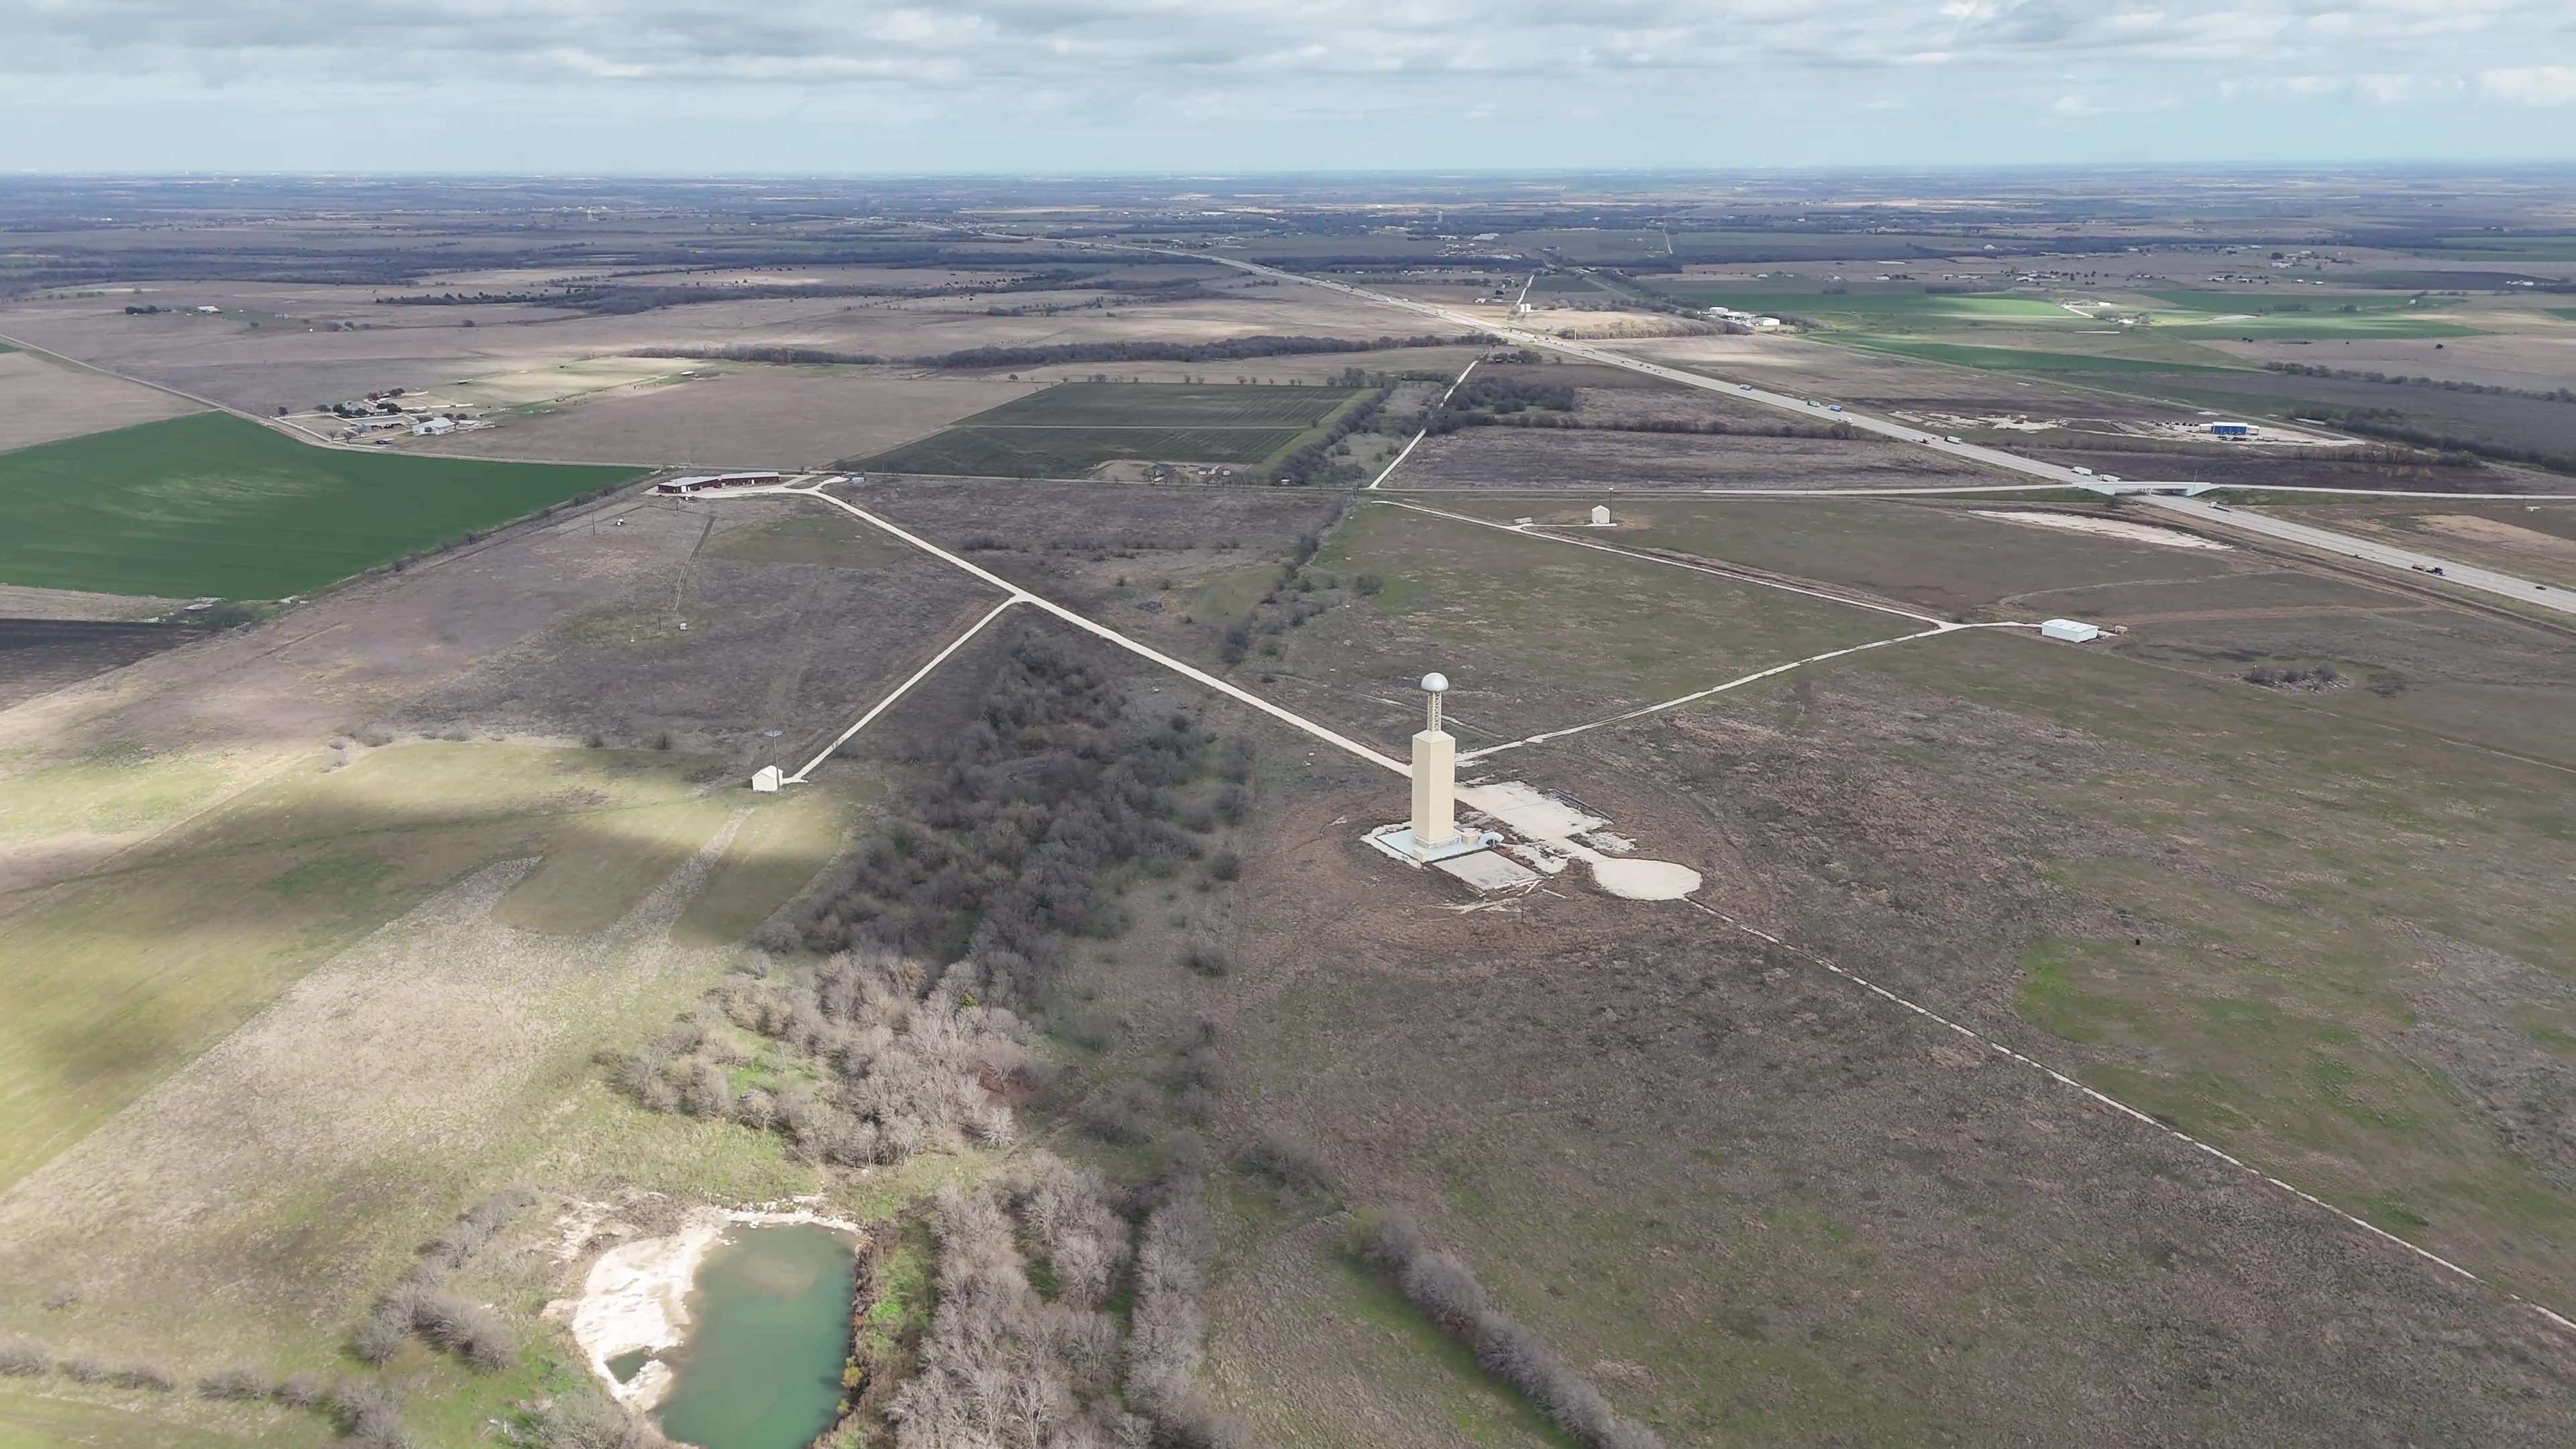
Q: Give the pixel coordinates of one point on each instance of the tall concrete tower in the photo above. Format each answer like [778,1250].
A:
[1435,776]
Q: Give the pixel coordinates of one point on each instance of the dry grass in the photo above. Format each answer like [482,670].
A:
[443,1056]
[42,402]
[744,415]
[121,978]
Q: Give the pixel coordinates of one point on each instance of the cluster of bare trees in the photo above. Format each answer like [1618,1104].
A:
[1004,1365]
[423,1304]
[2447,384]
[366,1412]
[1022,1353]
[1016,849]
[1314,463]
[912,1063]
[1448,1294]
[1168,1336]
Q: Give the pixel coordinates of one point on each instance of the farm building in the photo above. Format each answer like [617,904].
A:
[708,482]
[2073,631]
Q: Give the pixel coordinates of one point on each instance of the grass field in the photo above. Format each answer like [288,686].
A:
[1807,1217]
[429,1064]
[2015,359]
[1939,558]
[213,505]
[1866,310]
[2289,1024]
[1074,427]
[1615,630]
[127,974]
[1163,405]
[30,1422]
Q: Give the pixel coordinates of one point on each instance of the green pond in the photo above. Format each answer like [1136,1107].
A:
[769,1330]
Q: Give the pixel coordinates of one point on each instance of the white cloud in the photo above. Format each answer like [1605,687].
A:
[2532,85]
[1002,41]
[1214,71]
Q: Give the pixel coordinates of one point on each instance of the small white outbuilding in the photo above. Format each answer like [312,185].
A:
[2073,631]
[1600,516]
[765,780]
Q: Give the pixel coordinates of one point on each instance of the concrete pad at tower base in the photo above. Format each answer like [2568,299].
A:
[1488,871]
[1397,841]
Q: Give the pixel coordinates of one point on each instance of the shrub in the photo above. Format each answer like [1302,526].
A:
[464,1328]
[1368,584]
[1283,1159]
[24,1358]
[234,1383]
[84,1370]
[1448,1294]
[383,1334]
[143,1376]
[301,1391]
[1121,1116]
[1225,865]
[368,1414]
[1204,959]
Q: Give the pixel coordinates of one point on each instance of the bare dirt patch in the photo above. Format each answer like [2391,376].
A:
[41,655]
[20,602]
[41,402]
[743,415]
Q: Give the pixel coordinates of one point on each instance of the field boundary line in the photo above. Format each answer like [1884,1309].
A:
[2428,1255]
[1133,646]
[1426,431]
[1693,698]
[900,690]
[1525,531]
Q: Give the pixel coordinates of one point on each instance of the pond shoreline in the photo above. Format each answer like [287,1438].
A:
[634,1295]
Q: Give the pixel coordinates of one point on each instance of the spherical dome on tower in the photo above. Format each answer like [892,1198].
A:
[1435,683]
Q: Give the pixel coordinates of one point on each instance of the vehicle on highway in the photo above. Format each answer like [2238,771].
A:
[1954,437]
[1838,407]
[2084,472]
[1744,387]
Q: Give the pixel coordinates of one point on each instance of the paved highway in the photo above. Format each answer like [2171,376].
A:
[2465,575]
[2486,580]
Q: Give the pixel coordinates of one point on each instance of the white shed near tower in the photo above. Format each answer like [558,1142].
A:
[1600,516]
[765,780]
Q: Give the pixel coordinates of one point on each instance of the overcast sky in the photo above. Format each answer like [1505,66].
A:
[829,86]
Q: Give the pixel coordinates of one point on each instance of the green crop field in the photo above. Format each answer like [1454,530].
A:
[2566,314]
[1163,405]
[213,505]
[2314,316]
[2300,301]
[1877,309]
[2014,359]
